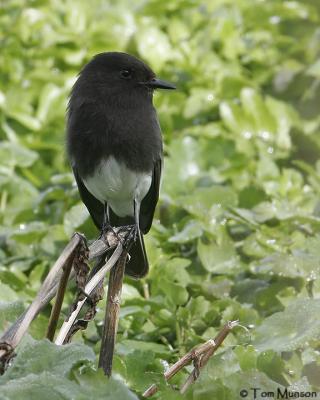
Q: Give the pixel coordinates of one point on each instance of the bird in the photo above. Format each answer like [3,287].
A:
[114,146]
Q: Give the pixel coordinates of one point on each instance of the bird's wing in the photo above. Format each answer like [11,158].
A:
[94,206]
[149,202]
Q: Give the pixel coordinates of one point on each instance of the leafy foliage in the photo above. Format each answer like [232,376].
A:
[42,367]
[236,231]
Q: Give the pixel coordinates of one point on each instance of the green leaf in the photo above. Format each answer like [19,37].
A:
[140,369]
[93,383]
[254,105]
[181,168]
[146,38]
[190,231]
[54,387]
[29,233]
[13,154]
[234,119]
[38,357]
[171,279]
[128,346]
[43,385]
[247,357]
[9,311]
[273,366]
[218,258]
[74,218]
[291,328]
[49,94]
[26,120]
[206,202]
[200,101]
[7,294]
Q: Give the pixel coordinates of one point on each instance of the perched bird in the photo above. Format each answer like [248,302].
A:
[114,145]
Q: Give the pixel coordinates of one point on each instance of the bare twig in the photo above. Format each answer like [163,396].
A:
[199,356]
[55,312]
[81,269]
[12,337]
[90,286]
[206,356]
[119,257]
[112,315]
[185,360]
[95,296]
[15,333]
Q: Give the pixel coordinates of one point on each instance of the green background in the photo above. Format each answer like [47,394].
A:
[236,233]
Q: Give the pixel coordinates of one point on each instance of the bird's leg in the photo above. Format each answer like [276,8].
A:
[132,236]
[105,223]
[106,226]
[136,206]
[134,228]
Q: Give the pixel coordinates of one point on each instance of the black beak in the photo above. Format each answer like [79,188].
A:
[156,83]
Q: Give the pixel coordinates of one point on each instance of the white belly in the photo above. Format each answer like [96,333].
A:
[115,184]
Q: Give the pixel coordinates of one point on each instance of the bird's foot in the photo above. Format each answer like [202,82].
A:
[131,238]
[106,227]
[133,232]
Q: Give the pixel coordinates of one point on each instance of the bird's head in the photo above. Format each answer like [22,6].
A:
[122,74]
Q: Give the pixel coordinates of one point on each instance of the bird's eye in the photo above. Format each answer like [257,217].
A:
[126,74]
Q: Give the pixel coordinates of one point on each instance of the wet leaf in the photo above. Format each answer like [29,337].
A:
[291,328]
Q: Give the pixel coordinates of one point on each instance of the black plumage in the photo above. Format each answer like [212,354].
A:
[111,115]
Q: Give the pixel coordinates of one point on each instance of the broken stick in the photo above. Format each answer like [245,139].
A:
[200,356]
[13,335]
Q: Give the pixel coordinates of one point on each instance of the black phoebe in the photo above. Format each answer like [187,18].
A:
[115,147]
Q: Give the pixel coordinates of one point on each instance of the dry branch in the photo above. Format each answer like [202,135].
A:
[56,309]
[79,254]
[12,337]
[90,286]
[199,356]
[110,326]
[15,333]
[200,363]
[117,262]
